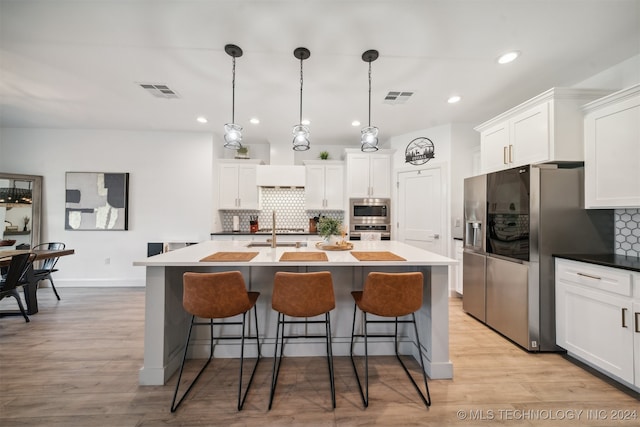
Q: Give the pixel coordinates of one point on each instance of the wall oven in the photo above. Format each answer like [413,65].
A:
[368,217]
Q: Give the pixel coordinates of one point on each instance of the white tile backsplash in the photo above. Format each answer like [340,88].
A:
[289,205]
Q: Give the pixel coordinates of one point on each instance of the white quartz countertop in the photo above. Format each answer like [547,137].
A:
[267,256]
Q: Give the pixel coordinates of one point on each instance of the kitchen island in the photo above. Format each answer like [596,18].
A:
[166,322]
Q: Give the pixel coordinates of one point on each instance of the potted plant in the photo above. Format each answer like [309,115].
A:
[242,152]
[324,155]
[330,229]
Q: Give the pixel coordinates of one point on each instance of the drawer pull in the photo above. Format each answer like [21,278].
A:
[637,321]
[589,276]
[624,317]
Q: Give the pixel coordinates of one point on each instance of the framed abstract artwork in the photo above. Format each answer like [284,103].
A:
[96,201]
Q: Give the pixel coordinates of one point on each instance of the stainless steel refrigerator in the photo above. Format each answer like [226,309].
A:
[515,220]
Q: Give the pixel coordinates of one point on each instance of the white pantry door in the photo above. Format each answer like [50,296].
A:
[421,200]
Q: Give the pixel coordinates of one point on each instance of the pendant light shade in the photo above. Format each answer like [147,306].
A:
[232,131]
[369,134]
[300,131]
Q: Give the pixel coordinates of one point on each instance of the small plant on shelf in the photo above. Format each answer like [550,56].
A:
[324,155]
[242,152]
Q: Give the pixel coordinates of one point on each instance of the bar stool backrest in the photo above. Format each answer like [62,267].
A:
[215,295]
[303,294]
[392,294]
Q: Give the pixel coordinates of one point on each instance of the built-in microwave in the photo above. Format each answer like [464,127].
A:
[369,215]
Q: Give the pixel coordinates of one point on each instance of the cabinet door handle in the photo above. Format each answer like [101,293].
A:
[504,154]
[589,276]
[637,316]
[624,317]
[510,153]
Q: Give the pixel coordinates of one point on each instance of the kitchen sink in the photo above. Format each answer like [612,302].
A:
[278,244]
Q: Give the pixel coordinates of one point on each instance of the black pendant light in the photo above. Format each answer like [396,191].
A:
[232,131]
[300,131]
[369,134]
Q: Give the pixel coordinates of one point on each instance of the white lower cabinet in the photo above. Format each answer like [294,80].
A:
[597,318]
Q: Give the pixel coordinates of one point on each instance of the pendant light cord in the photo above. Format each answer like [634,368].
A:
[369,93]
[301,81]
[233,91]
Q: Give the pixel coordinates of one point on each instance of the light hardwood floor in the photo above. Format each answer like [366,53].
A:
[76,364]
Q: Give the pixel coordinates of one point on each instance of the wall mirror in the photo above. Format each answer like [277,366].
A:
[20,210]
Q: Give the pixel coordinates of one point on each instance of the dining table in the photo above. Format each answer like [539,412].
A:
[31,285]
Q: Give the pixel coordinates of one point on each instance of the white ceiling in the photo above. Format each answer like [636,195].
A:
[77,64]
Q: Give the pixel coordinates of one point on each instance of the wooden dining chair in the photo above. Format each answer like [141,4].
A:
[19,265]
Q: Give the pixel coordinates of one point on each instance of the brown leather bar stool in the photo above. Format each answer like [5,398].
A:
[217,296]
[389,295]
[302,295]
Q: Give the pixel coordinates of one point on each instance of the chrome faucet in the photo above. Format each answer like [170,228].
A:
[273,230]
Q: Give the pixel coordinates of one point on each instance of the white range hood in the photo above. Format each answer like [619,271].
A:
[280,176]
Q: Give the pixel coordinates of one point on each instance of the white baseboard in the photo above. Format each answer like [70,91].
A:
[95,283]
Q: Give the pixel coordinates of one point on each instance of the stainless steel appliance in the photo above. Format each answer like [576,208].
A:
[474,256]
[530,213]
[369,215]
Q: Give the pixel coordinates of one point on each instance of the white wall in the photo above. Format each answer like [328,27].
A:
[456,145]
[620,76]
[170,193]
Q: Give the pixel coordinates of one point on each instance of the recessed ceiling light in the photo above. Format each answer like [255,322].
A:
[202,119]
[254,121]
[355,123]
[454,99]
[306,122]
[508,57]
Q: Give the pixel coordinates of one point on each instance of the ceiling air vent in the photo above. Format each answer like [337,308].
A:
[159,90]
[397,97]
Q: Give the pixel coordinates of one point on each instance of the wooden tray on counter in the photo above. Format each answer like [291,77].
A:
[304,256]
[230,256]
[377,256]
[346,247]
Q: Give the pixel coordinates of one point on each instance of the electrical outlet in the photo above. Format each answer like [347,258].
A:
[458,222]
[534,344]
[107,261]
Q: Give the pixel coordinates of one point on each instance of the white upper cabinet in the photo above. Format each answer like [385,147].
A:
[237,187]
[612,150]
[324,185]
[368,174]
[544,129]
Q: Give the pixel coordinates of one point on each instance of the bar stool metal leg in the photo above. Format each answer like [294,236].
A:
[426,399]
[364,392]
[241,397]
[277,361]
[330,359]
[175,405]
[277,357]
[255,366]
[363,395]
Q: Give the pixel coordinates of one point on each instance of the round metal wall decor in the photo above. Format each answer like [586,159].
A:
[419,151]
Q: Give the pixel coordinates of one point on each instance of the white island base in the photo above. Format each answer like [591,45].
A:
[166,322]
